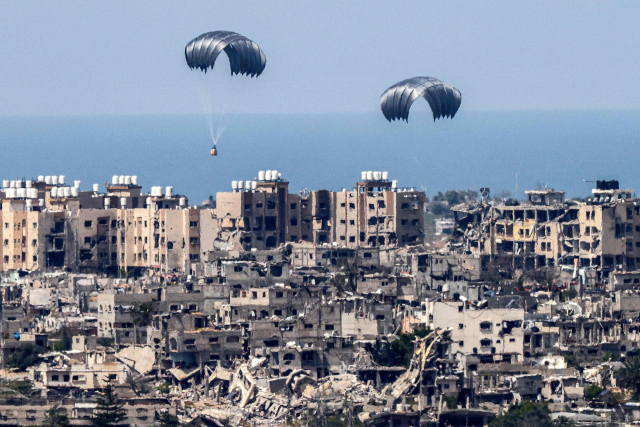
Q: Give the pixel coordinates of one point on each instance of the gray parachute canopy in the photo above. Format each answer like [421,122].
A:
[443,98]
[245,57]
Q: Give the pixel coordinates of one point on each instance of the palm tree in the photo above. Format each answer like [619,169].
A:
[56,416]
[629,375]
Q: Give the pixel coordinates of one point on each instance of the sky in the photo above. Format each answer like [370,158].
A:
[127,57]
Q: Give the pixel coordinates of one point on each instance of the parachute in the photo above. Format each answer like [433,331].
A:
[443,98]
[245,57]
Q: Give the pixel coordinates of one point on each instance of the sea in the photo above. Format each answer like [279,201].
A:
[509,152]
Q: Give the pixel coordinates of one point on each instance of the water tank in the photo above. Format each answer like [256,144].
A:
[394,183]
[234,185]
[6,183]
[121,180]
[61,179]
[169,192]
[74,192]
[267,176]
[127,180]
[369,175]
[149,201]
[114,180]
[385,175]
[54,179]
[28,203]
[247,185]
[274,175]
[134,179]
[254,185]
[67,191]
[22,192]
[377,176]
[123,200]
[107,202]
[41,203]
[77,183]
[47,179]
[261,176]
[96,188]
[12,184]
[279,175]
[183,201]
[54,192]
[240,185]
[28,184]
[40,178]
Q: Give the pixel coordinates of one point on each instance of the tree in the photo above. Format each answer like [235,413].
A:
[168,420]
[526,414]
[26,358]
[629,375]
[593,392]
[110,411]
[142,313]
[56,416]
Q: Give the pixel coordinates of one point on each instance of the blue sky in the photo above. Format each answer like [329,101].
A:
[126,57]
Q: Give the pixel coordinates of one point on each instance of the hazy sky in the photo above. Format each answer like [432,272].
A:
[126,57]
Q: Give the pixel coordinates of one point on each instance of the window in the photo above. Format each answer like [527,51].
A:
[460,325]
[371,206]
[87,240]
[87,224]
[55,377]
[308,326]
[461,343]
[294,221]
[293,205]
[352,206]
[114,240]
[169,245]
[329,327]
[193,224]
[352,239]
[485,326]
[194,257]
[35,225]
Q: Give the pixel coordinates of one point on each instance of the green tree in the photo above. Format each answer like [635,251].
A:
[110,411]
[400,351]
[526,414]
[629,375]
[56,416]
[593,392]
[142,313]
[168,420]
[26,358]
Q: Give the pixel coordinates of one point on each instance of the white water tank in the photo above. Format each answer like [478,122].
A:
[28,184]
[114,180]
[41,203]
[385,175]
[267,176]
[47,179]
[183,201]
[240,185]
[254,185]
[74,192]
[34,193]
[96,188]
[261,176]
[121,180]
[363,175]
[234,185]
[123,200]
[61,179]
[54,192]
[67,191]
[28,203]
[369,175]
[247,185]
[40,178]
[54,179]
[377,175]
[169,192]
[22,192]
[107,202]
[134,179]
[127,180]
[6,183]
[274,175]
[76,183]
[12,183]
[149,201]
[394,183]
